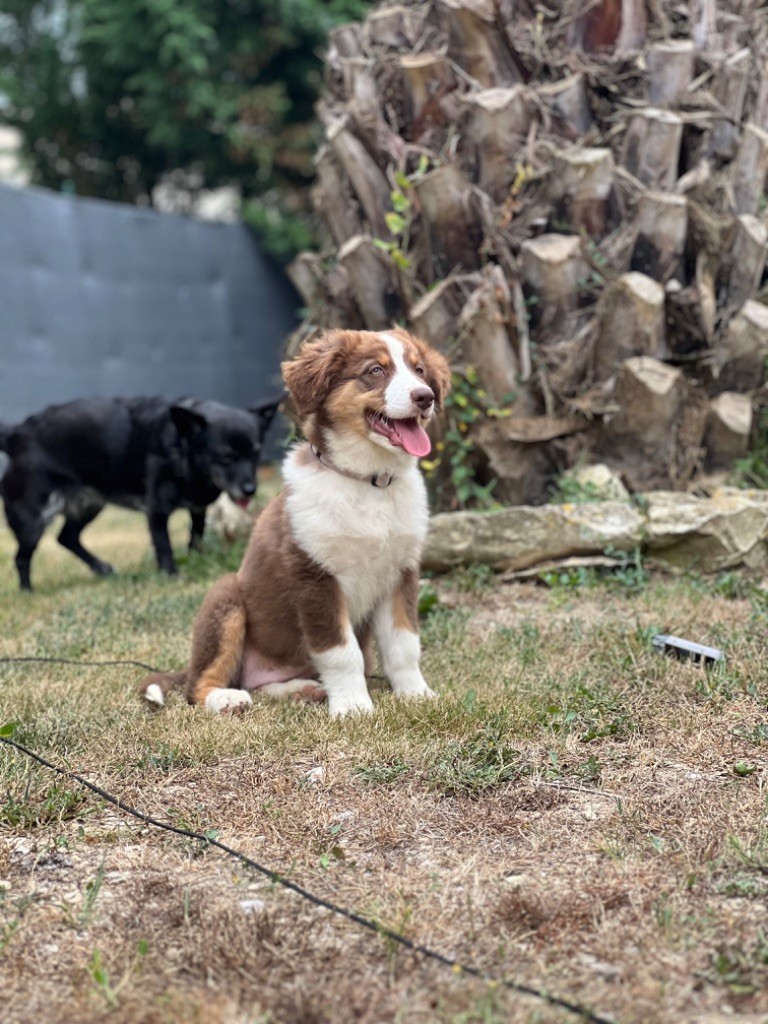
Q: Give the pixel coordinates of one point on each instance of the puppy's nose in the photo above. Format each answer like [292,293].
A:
[423,397]
[249,488]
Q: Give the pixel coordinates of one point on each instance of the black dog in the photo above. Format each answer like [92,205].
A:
[142,453]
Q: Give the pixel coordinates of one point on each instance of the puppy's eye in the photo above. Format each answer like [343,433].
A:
[420,370]
[376,371]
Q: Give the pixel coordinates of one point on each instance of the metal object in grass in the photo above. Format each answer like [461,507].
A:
[687,650]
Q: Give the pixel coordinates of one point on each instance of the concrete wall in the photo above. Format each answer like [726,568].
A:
[101,298]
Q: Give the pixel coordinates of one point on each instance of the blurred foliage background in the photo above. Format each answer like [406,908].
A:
[116,97]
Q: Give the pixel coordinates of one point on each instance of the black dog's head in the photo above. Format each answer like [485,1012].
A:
[224,443]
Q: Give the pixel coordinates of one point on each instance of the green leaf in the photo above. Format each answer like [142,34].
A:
[403,181]
[395,223]
[427,600]
[8,729]
[400,202]
[400,259]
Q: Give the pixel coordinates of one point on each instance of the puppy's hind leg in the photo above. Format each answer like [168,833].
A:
[218,640]
[155,687]
[69,537]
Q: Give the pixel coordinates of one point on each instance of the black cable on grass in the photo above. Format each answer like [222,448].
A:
[75,661]
[364,922]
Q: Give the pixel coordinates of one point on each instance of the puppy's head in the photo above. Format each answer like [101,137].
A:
[384,386]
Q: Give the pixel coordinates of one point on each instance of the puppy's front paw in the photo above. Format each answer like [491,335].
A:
[227,700]
[423,691]
[414,687]
[340,706]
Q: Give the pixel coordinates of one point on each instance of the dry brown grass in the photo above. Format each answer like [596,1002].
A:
[576,813]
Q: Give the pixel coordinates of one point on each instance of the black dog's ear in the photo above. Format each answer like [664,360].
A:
[265,410]
[187,421]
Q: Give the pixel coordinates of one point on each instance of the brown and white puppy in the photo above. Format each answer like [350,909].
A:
[334,559]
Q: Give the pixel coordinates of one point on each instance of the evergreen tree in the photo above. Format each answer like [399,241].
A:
[112,96]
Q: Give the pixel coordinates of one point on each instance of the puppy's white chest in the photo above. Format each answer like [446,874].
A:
[365,537]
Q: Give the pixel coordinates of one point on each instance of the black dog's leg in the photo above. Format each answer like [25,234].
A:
[28,525]
[69,537]
[197,529]
[158,528]
[24,559]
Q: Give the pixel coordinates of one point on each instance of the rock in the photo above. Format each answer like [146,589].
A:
[707,534]
[515,538]
[601,481]
[315,775]
[253,906]
[677,531]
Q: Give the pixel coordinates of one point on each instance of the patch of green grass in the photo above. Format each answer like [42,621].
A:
[752,470]
[756,733]
[569,490]
[382,773]
[82,917]
[570,577]
[752,852]
[487,1009]
[163,759]
[472,578]
[743,970]
[589,714]
[27,807]
[104,985]
[484,760]
[746,887]
[525,640]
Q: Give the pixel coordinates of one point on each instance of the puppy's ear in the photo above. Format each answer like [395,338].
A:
[438,374]
[266,410]
[311,375]
[187,420]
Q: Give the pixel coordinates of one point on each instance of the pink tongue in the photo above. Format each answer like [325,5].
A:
[413,437]
[242,502]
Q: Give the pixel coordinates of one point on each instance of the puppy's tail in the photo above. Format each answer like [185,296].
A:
[155,687]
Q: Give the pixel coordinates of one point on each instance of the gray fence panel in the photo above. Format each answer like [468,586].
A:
[100,298]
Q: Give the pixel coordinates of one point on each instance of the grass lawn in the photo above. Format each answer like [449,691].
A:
[576,813]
